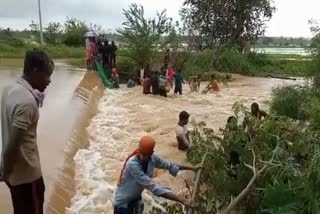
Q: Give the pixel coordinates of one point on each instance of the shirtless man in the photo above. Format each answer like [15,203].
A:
[212,86]
[256,112]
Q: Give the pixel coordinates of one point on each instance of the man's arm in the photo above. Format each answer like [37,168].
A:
[192,168]
[182,138]
[173,197]
[10,153]
[164,164]
[264,114]
[172,167]
[144,180]
[22,119]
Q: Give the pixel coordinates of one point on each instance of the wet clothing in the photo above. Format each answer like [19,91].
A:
[178,89]
[213,86]
[163,92]
[113,55]
[261,114]
[115,80]
[106,53]
[146,86]
[135,179]
[155,85]
[170,74]
[131,83]
[162,82]
[162,85]
[28,198]
[135,207]
[181,135]
[88,49]
[178,83]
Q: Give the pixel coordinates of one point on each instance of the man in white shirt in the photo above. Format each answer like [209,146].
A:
[182,132]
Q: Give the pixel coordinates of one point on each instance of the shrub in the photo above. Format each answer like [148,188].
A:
[284,154]
[313,112]
[290,101]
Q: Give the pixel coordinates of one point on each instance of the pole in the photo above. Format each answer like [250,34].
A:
[40,23]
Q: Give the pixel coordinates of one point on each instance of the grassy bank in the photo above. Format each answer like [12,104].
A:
[18,49]
[11,54]
[247,64]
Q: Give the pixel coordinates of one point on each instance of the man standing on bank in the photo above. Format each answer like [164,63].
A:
[20,162]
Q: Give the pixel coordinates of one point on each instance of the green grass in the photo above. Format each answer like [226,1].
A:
[11,62]
[286,57]
[12,52]
[8,50]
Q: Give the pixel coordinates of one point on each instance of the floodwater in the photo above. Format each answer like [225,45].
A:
[125,115]
[298,51]
[64,104]
[86,132]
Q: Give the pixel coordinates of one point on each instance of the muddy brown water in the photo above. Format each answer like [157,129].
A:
[72,100]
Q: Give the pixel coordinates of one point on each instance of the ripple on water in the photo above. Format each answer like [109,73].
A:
[125,115]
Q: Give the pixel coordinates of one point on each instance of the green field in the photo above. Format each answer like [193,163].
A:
[12,53]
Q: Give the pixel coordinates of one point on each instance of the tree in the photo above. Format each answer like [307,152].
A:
[315,42]
[35,30]
[74,31]
[141,36]
[53,33]
[228,23]
[271,166]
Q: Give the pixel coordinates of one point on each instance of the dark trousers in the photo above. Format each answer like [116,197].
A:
[178,89]
[135,207]
[163,92]
[113,61]
[28,198]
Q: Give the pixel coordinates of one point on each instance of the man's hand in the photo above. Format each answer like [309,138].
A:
[188,203]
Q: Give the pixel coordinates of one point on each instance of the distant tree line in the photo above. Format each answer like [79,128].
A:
[69,33]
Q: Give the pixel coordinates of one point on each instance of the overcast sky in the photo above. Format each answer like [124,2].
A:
[290,19]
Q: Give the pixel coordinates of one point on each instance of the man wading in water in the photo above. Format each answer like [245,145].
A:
[136,176]
[20,162]
[256,112]
[182,133]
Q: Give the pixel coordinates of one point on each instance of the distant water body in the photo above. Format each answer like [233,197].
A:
[299,51]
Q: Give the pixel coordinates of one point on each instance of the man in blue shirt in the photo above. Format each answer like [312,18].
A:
[136,176]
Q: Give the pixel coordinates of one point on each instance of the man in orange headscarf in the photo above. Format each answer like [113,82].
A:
[136,176]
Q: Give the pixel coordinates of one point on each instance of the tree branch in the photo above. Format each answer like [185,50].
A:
[256,174]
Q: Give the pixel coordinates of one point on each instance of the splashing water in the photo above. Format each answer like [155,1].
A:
[125,115]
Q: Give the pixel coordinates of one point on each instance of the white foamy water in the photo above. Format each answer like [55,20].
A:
[125,115]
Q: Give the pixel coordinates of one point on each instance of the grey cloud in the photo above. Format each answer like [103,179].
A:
[103,12]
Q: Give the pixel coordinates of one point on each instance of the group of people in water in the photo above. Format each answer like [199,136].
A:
[139,167]
[160,83]
[102,51]
[20,162]
[169,78]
